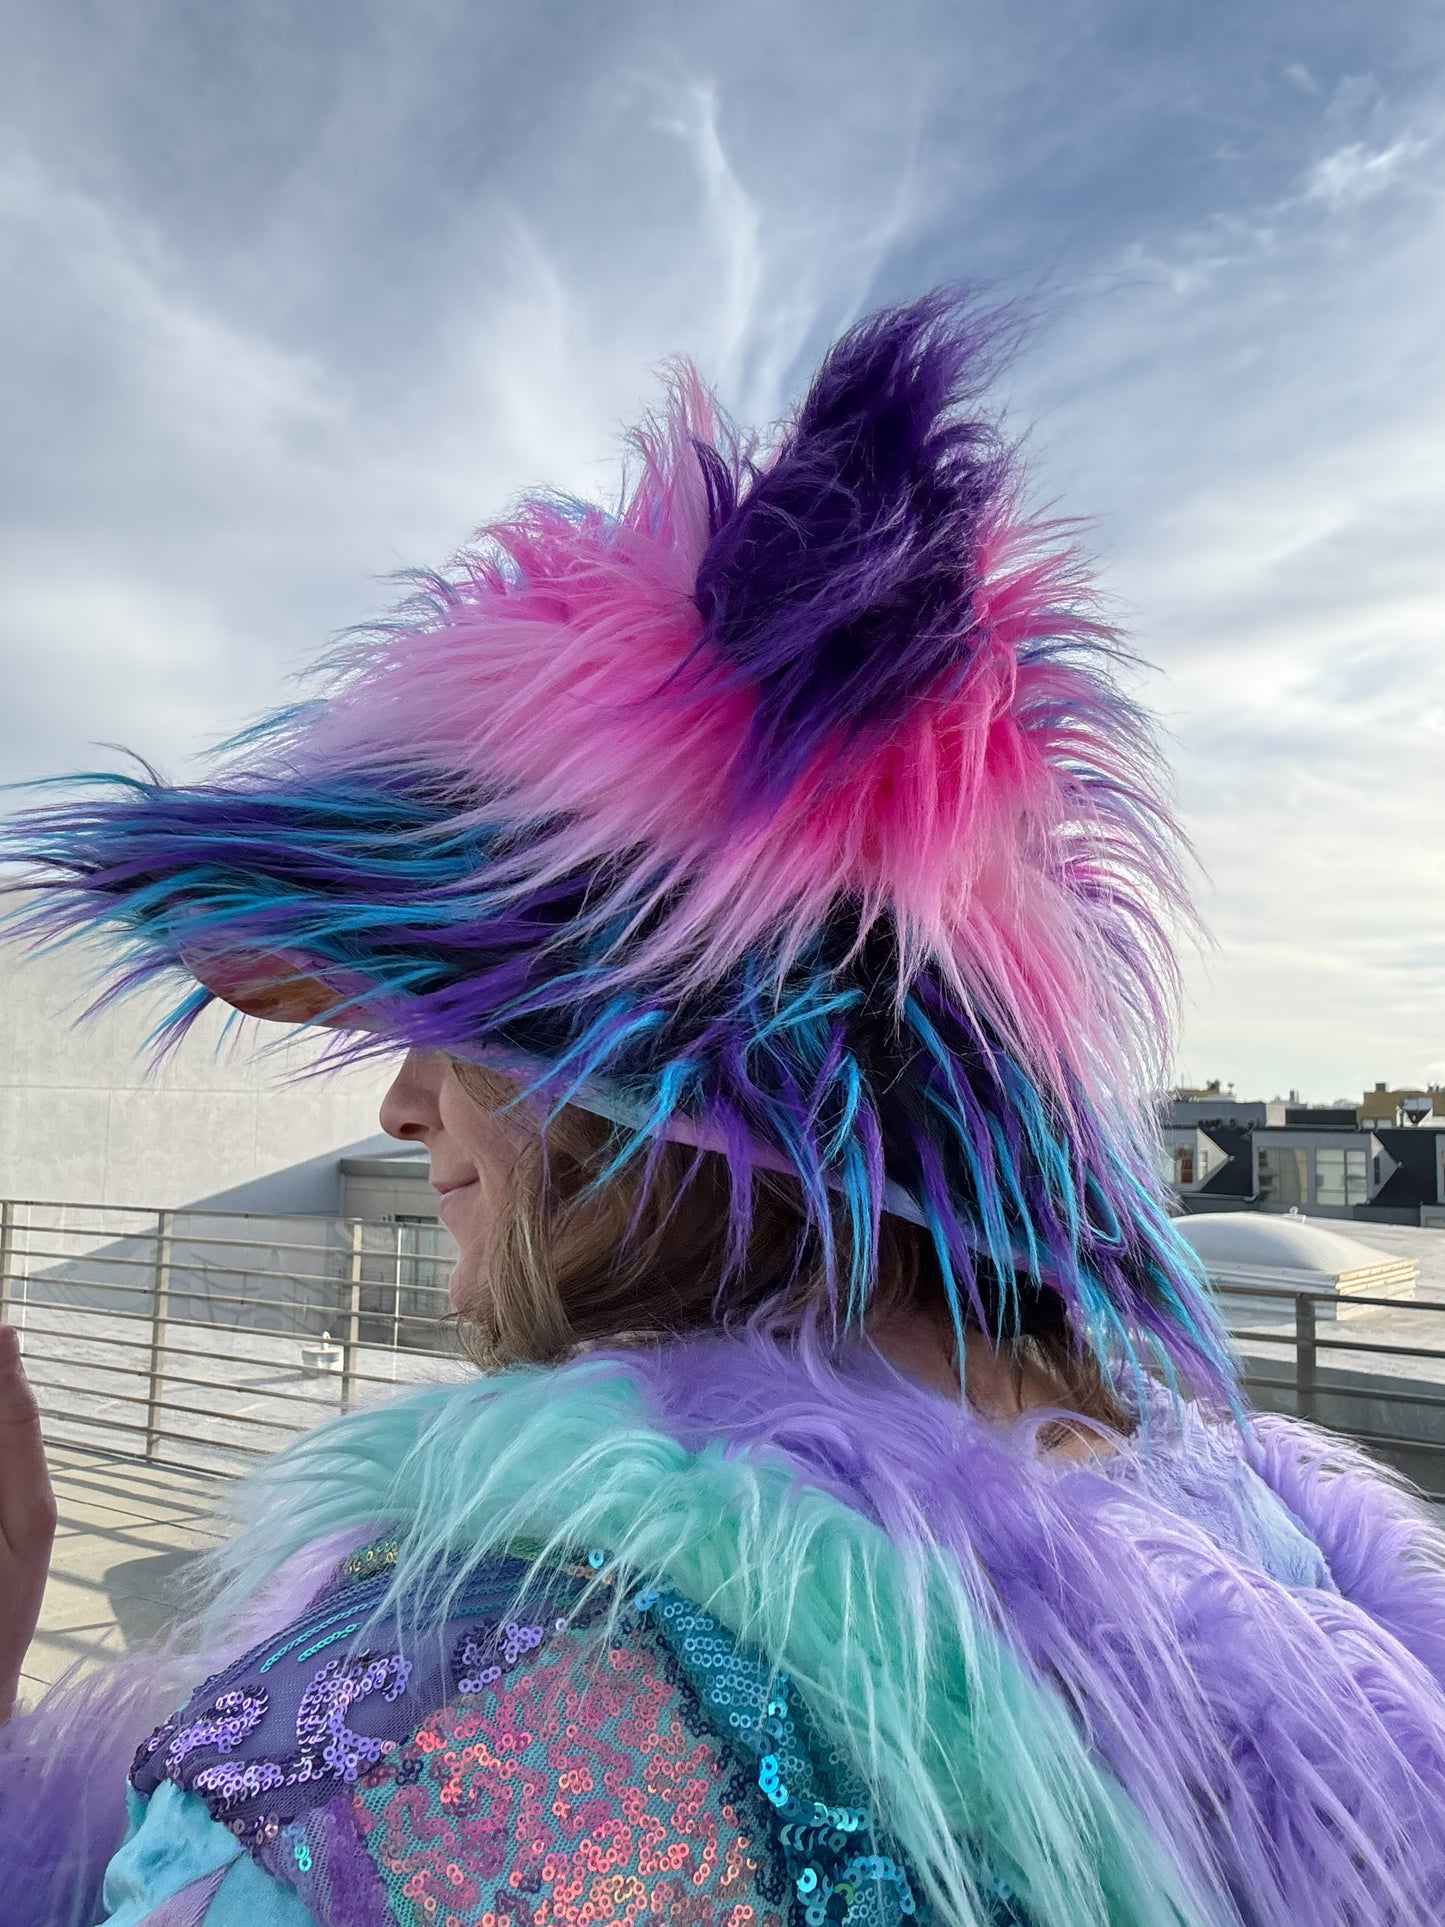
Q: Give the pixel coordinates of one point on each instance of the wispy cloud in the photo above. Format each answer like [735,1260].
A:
[736,223]
[1353,173]
[1269,417]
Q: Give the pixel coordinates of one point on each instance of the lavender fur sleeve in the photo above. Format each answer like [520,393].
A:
[63,1771]
[1384,1551]
[64,1765]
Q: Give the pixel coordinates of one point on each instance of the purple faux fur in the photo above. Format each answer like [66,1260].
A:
[840,584]
[1282,1737]
[65,1763]
[1385,1552]
[1281,1726]
[63,1771]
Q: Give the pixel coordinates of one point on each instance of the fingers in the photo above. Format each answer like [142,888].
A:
[27,1505]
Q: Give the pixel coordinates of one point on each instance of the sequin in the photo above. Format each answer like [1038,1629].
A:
[329,1639]
[583,1790]
[818,1804]
[230,1717]
[528,1771]
[321,1721]
[371,1559]
[517,1640]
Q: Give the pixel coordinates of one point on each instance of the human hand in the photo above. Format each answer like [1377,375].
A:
[27,1517]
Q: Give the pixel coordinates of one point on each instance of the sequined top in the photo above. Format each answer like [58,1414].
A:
[582,1759]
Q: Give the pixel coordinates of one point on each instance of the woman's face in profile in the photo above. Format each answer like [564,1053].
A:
[472,1151]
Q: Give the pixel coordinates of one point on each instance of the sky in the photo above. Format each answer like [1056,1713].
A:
[296,296]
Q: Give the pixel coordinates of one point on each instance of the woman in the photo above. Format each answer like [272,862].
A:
[856,1518]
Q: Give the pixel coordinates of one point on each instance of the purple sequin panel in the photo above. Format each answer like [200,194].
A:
[294,1722]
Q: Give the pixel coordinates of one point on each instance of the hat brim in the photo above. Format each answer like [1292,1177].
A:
[280,988]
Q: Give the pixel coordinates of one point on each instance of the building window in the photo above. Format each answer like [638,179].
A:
[1183,1164]
[1283,1174]
[424,1258]
[1340,1177]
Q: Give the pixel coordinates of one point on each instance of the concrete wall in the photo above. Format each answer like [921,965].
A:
[377,1188]
[83,1118]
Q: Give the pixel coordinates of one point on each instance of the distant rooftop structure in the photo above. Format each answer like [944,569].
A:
[1412,1104]
[1244,1248]
[1381,1159]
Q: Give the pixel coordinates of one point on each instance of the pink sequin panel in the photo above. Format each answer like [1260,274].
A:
[580,1789]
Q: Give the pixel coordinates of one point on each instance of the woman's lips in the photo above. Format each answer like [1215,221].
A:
[446,1192]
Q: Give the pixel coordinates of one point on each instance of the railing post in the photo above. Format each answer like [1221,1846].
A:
[396,1296]
[351,1343]
[7,1252]
[160,1311]
[1305,1355]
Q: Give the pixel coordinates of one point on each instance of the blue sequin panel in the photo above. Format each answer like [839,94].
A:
[842,1870]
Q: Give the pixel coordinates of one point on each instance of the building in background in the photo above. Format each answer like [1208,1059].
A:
[1383,1159]
[1210,1161]
[1217,1104]
[1416,1104]
[229,1122]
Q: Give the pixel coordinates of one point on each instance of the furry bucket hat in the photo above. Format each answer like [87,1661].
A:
[792,807]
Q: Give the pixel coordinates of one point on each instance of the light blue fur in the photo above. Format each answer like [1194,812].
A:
[893,1655]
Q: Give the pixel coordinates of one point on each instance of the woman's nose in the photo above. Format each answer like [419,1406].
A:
[409,1109]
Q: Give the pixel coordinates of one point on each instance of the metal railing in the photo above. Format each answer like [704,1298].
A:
[1371,1367]
[211,1338]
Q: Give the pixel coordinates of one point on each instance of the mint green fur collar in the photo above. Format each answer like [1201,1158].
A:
[898,1664]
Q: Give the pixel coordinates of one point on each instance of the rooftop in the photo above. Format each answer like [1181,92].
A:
[127,1537]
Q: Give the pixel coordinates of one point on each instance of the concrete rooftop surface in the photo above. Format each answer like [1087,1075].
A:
[127,1533]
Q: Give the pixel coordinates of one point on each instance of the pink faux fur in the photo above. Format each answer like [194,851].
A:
[1012,825]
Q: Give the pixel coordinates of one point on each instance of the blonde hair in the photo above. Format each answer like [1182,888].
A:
[583,1254]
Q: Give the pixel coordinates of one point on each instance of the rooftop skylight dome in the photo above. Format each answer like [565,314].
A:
[1292,1253]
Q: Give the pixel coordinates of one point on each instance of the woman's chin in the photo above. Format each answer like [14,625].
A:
[462,1287]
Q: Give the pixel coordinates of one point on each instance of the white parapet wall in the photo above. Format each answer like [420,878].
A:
[83,1116]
